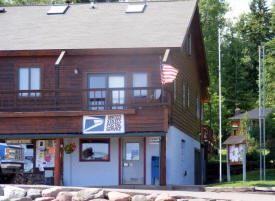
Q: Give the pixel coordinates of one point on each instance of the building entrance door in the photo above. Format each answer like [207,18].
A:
[132,161]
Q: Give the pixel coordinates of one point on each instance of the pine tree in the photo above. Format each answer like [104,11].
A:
[254,30]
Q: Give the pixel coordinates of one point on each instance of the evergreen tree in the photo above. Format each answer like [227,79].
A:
[270,65]
[254,30]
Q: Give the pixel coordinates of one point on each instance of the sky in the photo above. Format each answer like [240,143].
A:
[240,6]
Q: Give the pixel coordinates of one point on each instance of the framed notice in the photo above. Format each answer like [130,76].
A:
[103,124]
[45,153]
[236,154]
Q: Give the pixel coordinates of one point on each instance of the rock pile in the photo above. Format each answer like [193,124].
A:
[11,193]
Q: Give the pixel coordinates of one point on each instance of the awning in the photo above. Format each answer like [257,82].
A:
[54,136]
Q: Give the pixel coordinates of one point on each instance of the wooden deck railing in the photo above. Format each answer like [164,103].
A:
[81,99]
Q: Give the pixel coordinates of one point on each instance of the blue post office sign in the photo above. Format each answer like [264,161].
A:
[103,124]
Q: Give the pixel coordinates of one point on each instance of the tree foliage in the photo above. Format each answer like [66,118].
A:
[239,50]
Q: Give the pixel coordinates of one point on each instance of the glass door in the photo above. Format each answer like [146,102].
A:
[97,96]
[118,96]
[132,161]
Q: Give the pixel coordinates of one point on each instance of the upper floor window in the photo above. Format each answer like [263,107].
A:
[188,44]
[188,96]
[184,95]
[198,107]
[175,90]
[101,92]
[29,79]
[140,80]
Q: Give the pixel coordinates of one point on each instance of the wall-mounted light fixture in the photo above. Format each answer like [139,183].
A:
[76,71]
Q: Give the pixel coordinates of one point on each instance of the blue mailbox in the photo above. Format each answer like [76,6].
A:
[155,170]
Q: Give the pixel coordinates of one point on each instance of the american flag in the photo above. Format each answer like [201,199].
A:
[168,74]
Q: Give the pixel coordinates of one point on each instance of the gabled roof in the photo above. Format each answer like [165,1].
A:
[253,114]
[163,24]
[238,139]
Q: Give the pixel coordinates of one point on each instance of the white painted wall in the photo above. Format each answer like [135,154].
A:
[151,150]
[78,173]
[176,164]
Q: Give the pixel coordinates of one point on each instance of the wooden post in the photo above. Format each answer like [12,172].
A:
[57,162]
[163,161]
[228,164]
[244,162]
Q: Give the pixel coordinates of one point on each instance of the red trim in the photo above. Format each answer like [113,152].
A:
[119,161]
[80,148]
[144,162]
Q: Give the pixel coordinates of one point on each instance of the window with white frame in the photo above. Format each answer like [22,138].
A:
[184,95]
[140,80]
[29,79]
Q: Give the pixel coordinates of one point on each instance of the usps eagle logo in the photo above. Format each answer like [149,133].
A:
[103,124]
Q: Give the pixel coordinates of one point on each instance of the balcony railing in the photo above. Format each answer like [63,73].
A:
[81,99]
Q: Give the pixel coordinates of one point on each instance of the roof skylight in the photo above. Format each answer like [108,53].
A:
[136,8]
[58,9]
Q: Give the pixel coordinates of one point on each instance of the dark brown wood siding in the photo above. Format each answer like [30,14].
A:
[145,119]
[185,118]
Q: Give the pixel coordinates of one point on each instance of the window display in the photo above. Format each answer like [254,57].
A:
[95,150]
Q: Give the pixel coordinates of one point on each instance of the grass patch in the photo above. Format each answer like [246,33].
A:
[252,178]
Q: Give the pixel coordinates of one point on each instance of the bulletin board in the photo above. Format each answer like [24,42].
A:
[45,153]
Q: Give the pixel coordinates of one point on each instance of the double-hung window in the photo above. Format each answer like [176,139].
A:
[29,79]
[140,80]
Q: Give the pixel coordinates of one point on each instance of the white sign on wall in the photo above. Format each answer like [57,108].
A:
[103,124]
[153,140]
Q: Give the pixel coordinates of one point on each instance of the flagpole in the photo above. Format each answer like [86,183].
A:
[264,106]
[260,112]
[220,110]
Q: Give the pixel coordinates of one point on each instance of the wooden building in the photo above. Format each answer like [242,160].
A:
[253,115]
[90,75]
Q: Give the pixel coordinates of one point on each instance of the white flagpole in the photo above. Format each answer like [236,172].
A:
[220,107]
[260,112]
[264,106]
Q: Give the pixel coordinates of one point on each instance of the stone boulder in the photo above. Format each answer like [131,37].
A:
[4,198]
[65,196]
[165,197]
[88,194]
[45,199]
[52,192]
[139,198]
[21,199]
[152,197]
[12,192]
[99,199]
[117,196]
[33,193]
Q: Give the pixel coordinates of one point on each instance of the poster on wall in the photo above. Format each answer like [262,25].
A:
[236,154]
[45,154]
